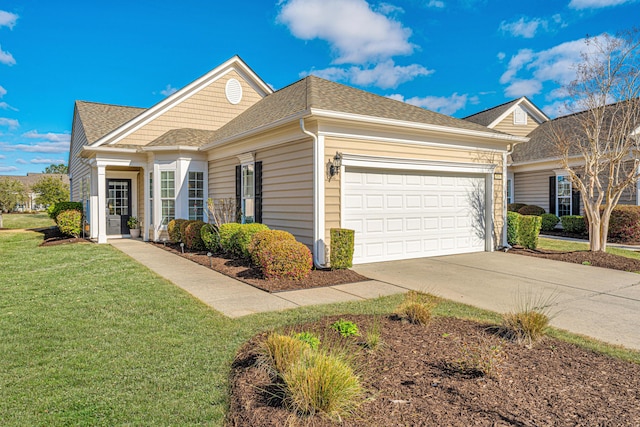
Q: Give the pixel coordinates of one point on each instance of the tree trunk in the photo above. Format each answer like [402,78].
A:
[595,244]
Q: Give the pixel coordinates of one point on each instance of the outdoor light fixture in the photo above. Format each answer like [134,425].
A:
[182,247]
[336,164]
[209,254]
[164,241]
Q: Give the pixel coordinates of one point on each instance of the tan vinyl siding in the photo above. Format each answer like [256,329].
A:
[207,110]
[77,169]
[532,188]
[222,178]
[397,150]
[507,126]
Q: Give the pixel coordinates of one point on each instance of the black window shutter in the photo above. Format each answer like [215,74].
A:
[575,200]
[552,194]
[258,192]
[239,193]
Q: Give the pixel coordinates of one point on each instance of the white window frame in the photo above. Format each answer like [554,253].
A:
[510,198]
[196,198]
[167,198]
[565,178]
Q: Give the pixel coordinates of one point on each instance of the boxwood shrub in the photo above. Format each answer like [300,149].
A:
[183,229]
[191,237]
[241,239]
[513,225]
[528,231]
[285,259]
[549,221]
[531,210]
[173,229]
[342,241]
[70,222]
[624,223]
[263,238]
[226,233]
[210,237]
[54,210]
[515,207]
[573,224]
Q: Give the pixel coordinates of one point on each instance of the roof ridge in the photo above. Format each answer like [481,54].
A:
[496,106]
[109,105]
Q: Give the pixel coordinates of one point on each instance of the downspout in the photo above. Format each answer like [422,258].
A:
[505,180]
[318,199]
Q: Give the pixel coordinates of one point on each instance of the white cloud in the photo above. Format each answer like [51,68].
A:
[2,157]
[501,56]
[7,19]
[5,106]
[384,75]
[596,4]
[519,88]
[436,4]
[39,160]
[49,136]
[388,9]
[442,104]
[3,91]
[8,168]
[6,58]
[10,123]
[556,109]
[355,32]
[21,161]
[40,147]
[168,90]
[523,28]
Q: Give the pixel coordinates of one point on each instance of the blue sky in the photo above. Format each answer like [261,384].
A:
[456,57]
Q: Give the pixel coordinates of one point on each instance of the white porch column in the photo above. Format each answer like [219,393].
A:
[147,205]
[102,204]
[93,203]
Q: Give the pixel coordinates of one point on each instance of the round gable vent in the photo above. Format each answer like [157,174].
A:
[233,90]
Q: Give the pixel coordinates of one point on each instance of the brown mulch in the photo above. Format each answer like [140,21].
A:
[412,381]
[53,237]
[242,270]
[596,259]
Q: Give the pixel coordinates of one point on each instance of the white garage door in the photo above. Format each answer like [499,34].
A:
[400,215]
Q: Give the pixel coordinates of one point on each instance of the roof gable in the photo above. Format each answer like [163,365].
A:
[493,116]
[100,119]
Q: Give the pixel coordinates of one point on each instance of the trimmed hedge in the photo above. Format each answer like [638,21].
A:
[70,222]
[531,210]
[183,229]
[549,221]
[241,239]
[342,242]
[226,233]
[263,238]
[573,224]
[285,259]
[191,236]
[515,207]
[528,230]
[210,237]
[173,228]
[624,223]
[54,210]
[513,225]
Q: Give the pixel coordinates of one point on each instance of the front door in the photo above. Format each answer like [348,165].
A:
[118,205]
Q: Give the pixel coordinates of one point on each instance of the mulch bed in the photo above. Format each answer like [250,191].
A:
[53,237]
[596,259]
[585,237]
[410,381]
[242,270]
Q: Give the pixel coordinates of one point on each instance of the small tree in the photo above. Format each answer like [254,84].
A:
[602,133]
[11,193]
[50,190]
[60,168]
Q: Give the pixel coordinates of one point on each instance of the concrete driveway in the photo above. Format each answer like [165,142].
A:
[597,302]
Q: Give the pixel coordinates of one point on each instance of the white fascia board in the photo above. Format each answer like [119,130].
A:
[233,64]
[91,149]
[170,148]
[365,161]
[528,106]
[545,164]
[416,125]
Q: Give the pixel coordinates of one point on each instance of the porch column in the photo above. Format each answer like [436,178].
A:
[102,205]
[147,206]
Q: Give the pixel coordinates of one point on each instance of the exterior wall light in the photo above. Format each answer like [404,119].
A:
[336,164]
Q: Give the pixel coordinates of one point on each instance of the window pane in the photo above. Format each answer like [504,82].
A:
[168,211]
[196,209]
[167,184]
[247,181]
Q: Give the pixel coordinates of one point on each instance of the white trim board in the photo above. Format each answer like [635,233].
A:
[364,161]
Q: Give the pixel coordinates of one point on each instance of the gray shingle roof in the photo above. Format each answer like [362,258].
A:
[100,119]
[486,117]
[186,136]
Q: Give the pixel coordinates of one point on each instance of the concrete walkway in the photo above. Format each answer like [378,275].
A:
[234,298]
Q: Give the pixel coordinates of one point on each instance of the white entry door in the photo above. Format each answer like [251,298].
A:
[402,214]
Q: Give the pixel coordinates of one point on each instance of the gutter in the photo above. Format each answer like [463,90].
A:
[505,243]
[318,199]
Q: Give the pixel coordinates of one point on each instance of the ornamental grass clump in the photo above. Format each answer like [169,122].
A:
[529,323]
[285,259]
[417,307]
[279,352]
[479,358]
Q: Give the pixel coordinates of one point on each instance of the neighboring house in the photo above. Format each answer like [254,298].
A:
[30,204]
[306,158]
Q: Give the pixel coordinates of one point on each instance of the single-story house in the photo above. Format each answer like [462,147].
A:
[28,181]
[307,158]
[535,173]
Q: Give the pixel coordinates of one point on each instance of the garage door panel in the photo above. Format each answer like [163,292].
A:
[398,215]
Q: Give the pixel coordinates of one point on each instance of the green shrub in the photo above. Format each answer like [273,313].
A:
[173,229]
[70,222]
[529,230]
[191,237]
[309,338]
[417,307]
[515,207]
[226,233]
[573,224]
[342,241]
[278,352]
[183,229]
[262,238]
[531,210]
[513,225]
[285,259]
[54,210]
[322,383]
[346,328]
[624,223]
[549,221]
[210,237]
[240,240]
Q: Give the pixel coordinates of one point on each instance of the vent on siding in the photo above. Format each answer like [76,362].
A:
[233,90]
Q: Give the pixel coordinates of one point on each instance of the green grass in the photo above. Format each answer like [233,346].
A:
[90,337]
[565,245]
[16,220]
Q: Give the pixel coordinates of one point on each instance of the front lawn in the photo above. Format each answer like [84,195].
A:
[566,245]
[90,337]
[20,220]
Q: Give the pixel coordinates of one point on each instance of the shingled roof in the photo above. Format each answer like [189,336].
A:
[316,93]
[486,117]
[186,137]
[100,119]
